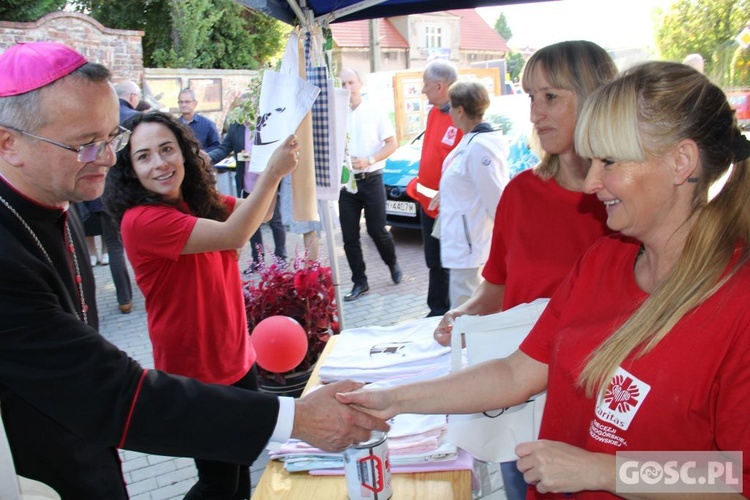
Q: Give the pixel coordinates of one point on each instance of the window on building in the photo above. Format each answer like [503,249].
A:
[434,37]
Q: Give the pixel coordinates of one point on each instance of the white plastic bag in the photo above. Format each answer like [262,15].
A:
[285,99]
[493,435]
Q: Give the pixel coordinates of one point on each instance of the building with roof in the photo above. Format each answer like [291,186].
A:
[407,42]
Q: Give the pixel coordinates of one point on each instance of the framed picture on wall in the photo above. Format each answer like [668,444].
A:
[415,124]
[207,93]
[412,89]
[162,93]
[413,105]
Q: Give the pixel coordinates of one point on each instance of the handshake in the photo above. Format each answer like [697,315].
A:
[331,420]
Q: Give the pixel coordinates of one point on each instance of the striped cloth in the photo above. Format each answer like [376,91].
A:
[318,76]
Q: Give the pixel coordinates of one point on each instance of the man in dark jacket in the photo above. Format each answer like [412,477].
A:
[129,95]
[204,129]
[69,397]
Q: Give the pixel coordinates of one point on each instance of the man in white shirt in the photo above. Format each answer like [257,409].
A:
[371,140]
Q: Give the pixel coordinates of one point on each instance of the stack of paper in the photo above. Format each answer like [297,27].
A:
[414,440]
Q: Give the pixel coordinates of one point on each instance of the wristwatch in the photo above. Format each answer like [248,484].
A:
[371,160]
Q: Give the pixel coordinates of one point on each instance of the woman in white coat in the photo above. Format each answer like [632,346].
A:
[474,175]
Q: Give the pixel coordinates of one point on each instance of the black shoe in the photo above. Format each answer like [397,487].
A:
[254,267]
[396,274]
[357,292]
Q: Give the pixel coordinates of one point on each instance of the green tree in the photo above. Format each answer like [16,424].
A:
[514,65]
[708,28]
[23,11]
[206,34]
[244,38]
[192,22]
[502,28]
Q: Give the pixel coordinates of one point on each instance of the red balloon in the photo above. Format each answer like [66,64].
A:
[280,343]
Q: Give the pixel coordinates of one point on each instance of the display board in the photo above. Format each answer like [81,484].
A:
[411,106]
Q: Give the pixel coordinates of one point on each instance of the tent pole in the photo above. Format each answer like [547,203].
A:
[327,214]
[297,11]
[345,11]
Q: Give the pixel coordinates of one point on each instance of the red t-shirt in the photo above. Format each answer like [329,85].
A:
[689,393]
[440,137]
[541,230]
[196,312]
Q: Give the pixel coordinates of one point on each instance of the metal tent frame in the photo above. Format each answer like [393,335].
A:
[310,13]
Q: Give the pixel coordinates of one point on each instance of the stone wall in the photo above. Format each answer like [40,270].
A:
[119,50]
[233,83]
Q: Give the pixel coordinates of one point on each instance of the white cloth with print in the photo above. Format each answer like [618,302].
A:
[376,353]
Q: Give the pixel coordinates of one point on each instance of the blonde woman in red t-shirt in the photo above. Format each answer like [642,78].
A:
[645,346]
[544,221]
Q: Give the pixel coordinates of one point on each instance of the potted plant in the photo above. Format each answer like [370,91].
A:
[301,289]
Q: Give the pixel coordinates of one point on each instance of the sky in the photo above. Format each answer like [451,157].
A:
[613,24]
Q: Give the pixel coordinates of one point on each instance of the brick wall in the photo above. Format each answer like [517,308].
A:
[119,50]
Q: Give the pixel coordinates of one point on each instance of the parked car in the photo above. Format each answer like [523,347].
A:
[509,113]
[401,210]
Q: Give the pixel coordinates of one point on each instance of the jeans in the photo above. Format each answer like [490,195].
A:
[515,486]
[370,196]
[438,299]
[222,480]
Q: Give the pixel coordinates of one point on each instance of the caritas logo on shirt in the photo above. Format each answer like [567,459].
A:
[622,399]
[449,139]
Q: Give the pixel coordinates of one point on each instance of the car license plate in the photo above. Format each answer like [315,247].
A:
[401,208]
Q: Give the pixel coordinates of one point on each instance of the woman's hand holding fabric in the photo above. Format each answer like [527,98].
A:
[285,159]
[442,333]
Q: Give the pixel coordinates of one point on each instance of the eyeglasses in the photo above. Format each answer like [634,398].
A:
[184,102]
[91,151]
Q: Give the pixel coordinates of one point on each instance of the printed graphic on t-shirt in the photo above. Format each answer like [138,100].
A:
[450,136]
[606,434]
[389,349]
[622,399]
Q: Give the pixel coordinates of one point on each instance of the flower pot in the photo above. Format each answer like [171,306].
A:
[292,386]
[303,290]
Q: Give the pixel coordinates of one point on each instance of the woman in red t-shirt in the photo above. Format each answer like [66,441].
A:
[181,236]
[645,346]
[544,221]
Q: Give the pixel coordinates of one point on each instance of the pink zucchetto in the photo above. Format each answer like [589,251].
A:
[30,66]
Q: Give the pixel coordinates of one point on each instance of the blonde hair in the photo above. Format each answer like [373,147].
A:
[579,66]
[473,96]
[643,114]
